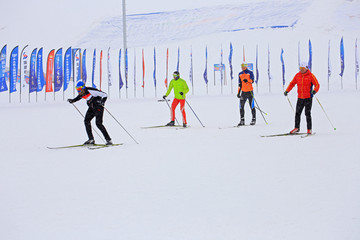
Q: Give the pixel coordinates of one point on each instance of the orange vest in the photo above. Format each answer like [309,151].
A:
[246,86]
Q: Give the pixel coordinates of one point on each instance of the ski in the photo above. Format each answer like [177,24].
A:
[181,127]
[162,126]
[99,146]
[82,145]
[248,125]
[284,134]
[307,135]
[70,146]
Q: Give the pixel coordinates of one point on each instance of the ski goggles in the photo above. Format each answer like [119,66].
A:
[175,75]
[80,88]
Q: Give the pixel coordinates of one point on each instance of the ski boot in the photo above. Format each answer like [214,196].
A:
[184,125]
[309,131]
[295,130]
[171,123]
[253,121]
[242,123]
[89,142]
[109,142]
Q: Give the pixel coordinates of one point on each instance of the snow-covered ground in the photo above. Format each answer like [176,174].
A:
[216,182]
[195,183]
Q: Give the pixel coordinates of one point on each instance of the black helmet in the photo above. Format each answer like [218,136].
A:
[176,75]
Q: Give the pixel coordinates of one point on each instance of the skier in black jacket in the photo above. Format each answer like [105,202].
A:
[95,100]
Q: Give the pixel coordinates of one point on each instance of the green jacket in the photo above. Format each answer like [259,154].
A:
[179,86]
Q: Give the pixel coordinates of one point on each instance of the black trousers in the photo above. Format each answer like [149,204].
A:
[244,96]
[300,105]
[97,112]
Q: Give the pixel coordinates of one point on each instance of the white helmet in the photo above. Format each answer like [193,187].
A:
[303,65]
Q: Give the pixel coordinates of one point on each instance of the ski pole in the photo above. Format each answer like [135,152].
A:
[121,125]
[258,107]
[91,126]
[193,112]
[290,103]
[325,113]
[170,110]
[261,110]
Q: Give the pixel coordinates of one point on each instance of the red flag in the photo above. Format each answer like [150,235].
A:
[143,66]
[244,53]
[50,71]
[167,68]
[100,68]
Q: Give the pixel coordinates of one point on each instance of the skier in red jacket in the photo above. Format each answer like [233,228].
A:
[305,82]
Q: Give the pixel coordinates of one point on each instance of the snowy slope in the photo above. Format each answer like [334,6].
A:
[163,27]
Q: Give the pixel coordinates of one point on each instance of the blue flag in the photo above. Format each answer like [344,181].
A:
[298,54]
[310,56]
[283,66]
[134,73]
[39,71]
[32,77]
[121,83]
[191,70]
[342,57]
[126,69]
[3,86]
[230,61]
[154,74]
[356,63]
[67,67]
[14,62]
[178,60]
[77,66]
[329,63]
[93,70]
[84,75]
[205,72]
[257,69]
[221,69]
[58,71]
[269,75]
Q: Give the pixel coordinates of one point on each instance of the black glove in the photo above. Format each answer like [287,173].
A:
[164,97]
[70,100]
[313,92]
[238,95]
[285,93]
[245,80]
[181,93]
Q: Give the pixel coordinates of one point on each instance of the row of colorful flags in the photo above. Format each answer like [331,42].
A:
[60,70]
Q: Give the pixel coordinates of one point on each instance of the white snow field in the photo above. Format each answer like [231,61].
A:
[199,183]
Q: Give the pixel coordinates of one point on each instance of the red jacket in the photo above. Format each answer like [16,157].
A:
[304,83]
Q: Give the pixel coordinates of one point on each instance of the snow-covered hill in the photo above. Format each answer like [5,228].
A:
[158,28]
[163,27]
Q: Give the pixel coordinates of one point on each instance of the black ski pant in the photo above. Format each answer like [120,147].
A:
[97,112]
[301,103]
[243,97]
